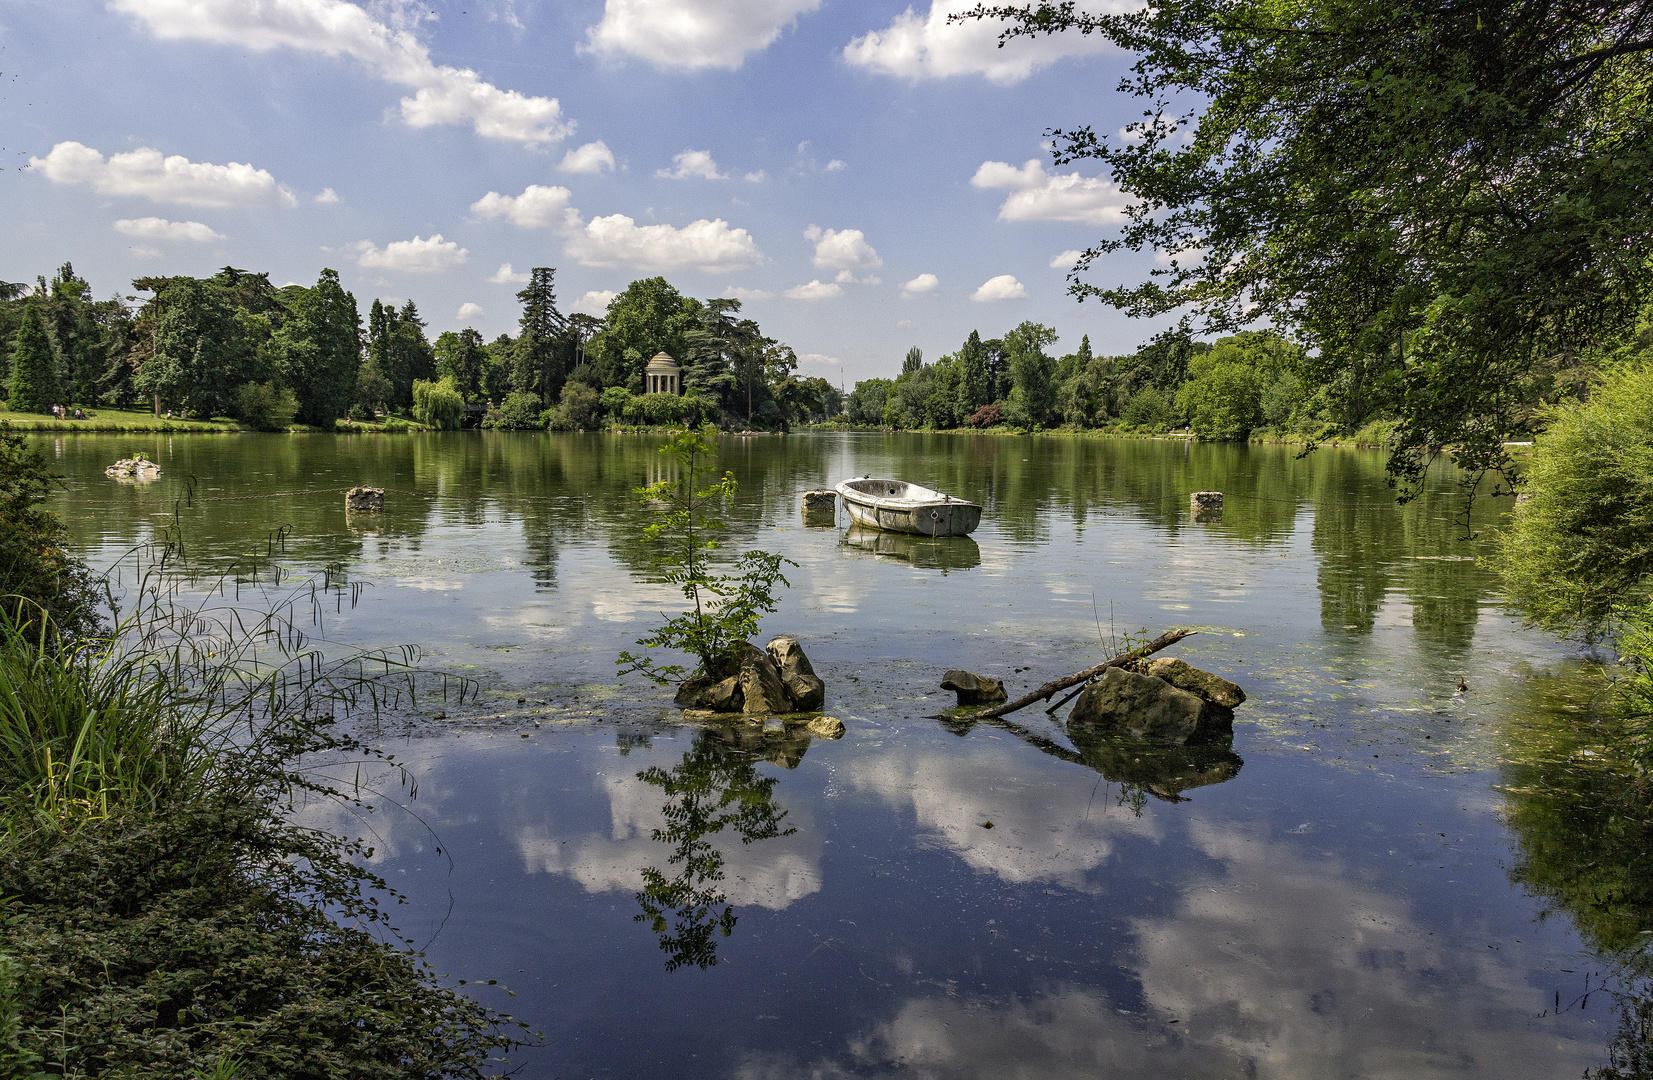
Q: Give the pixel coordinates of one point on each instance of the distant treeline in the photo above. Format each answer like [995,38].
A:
[1222,391]
[234,345]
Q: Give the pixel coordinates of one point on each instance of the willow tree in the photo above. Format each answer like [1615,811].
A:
[1446,202]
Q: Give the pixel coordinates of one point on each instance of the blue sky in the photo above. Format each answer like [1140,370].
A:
[865,176]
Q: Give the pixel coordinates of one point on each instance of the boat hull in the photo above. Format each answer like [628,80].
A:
[919,511]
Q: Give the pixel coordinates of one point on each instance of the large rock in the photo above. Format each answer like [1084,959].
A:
[806,691]
[1184,676]
[974,689]
[1142,707]
[710,692]
[760,682]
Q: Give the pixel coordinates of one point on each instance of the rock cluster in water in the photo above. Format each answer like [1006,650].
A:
[136,467]
[1163,701]
[365,500]
[974,689]
[757,682]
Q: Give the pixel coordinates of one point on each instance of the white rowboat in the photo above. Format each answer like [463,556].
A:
[898,506]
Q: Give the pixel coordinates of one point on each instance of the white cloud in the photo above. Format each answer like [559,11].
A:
[756,177]
[328,195]
[537,207]
[692,33]
[593,157]
[929,47]
[173,179]
[773,874]
[506,276]
[617,241]
[1040,196]
[144,251]
[416,256]
[1066,260]
[469,311]
[835,166]
[442,94]
[692,164]
[1003,287]
[595,302]
[842,249]
[154,228]
[743,295]
[815,290]
[918,286]
[821,364]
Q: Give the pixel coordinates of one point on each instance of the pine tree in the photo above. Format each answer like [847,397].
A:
[536,364]
[34,386]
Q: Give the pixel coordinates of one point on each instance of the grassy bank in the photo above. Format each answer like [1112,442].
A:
[117,420]
[161,913]
[114,420]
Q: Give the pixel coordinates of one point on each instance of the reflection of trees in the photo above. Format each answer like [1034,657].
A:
[716,786]
[1582,820]
[1368,546]
[1140,769]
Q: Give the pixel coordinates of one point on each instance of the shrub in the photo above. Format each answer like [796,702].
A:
[579,410]
[438,404]
[989,415]
[661,409]
[163,916]
[1147,408]
[521,411]
[1577,554]
[37,578]
[618,402]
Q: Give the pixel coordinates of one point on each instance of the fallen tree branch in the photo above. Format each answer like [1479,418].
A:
[1045,692]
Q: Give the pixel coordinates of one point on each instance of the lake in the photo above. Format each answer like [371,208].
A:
[1382,876]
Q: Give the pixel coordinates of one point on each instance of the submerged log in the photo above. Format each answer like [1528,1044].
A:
[1050,689]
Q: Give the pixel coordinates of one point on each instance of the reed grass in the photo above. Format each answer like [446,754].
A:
[147,781]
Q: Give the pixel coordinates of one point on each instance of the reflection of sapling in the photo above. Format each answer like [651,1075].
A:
[726,607]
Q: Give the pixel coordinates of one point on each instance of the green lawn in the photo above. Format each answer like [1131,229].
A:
[102,419]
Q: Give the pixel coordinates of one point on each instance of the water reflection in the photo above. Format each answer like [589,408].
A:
[1581,812]
[1139,768]
[942,553]
[714,787]
[1355,986]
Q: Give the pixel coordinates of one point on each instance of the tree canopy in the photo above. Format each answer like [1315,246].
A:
[1447,204]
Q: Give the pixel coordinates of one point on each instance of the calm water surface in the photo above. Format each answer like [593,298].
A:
[1391,882]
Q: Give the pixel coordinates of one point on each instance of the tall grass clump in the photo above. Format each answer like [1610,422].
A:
[163,913]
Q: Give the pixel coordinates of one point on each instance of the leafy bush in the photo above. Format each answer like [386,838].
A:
[521,411]
[265,406]
[579,410]
[438,404]
[660,409]
[989,415]
[38,580]
[1577,554]
[618,402]
[1147,409]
